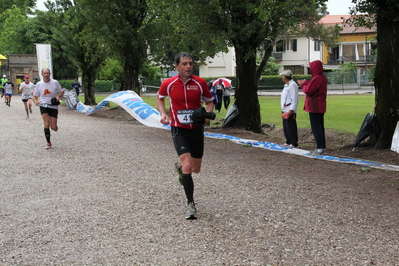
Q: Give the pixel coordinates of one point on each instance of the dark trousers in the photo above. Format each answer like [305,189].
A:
[291,130]
[317,125]
[219,95]
[226,100]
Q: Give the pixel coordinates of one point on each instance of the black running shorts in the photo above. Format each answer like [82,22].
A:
[189,140]
[50,111]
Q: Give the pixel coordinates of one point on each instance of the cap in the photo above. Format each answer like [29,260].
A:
[26,77]
[4,76]
[287,73]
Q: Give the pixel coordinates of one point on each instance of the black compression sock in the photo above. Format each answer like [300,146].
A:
[47,134]
[188,185]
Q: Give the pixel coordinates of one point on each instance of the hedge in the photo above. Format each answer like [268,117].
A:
[265,83]
[101,85]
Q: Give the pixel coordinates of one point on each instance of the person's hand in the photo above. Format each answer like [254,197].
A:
[301,81]
[165,119]
[286,115]
[37,103]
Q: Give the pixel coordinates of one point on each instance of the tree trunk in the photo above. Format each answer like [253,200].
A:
[131,77]
[265,59]
[246,92]
[89,80]
[387,80]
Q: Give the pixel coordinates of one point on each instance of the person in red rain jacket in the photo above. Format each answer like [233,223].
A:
[315,104]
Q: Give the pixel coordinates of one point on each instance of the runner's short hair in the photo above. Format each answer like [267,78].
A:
[184,55]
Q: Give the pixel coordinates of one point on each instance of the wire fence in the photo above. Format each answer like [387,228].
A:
[348,77]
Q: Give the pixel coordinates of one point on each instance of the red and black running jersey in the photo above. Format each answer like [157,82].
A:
[184,98]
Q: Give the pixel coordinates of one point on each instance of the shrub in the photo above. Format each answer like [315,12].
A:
[67,84]
[274,82]
[105,86]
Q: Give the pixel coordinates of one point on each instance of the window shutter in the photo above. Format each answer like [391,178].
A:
[294,44]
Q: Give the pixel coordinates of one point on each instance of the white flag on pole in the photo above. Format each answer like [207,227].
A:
[44,59]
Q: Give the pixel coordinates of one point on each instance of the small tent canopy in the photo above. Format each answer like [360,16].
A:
[2,57]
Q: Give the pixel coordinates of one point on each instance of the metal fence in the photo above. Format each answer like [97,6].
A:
[348,77]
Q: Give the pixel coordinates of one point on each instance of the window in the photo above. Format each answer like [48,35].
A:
[289,45]
[317,45]
[280,46]
[296,70]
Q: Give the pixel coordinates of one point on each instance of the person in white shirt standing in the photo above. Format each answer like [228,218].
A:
[26,89]
[289,106]
[49,91]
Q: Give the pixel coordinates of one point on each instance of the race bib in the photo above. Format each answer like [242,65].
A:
[184,116]
[26,96]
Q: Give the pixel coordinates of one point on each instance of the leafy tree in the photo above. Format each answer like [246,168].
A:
[384,14]
[81,43]
[246,25]
[121,24]
[112,70]
[19,32]
[173,27]
[13,21]
[41,29]
[349,66]
[150,71]
[271,67]
[25,5]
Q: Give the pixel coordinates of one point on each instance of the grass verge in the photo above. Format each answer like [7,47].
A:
[345,113]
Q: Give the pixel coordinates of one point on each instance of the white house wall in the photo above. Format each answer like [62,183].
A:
[222,65]
[300,56]
[305,53]
[315,55]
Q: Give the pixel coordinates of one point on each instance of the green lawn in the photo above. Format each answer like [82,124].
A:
[345,113]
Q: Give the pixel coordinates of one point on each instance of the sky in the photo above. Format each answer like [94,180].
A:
[339,7]
[40,4]
[335,7]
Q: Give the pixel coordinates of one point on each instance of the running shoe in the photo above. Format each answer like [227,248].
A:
[179,172]
[27,117]
[191,212]
[48,146]
[316,153]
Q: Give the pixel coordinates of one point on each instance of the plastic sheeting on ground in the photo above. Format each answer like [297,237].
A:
[132,103]
[149,116]
[277,147]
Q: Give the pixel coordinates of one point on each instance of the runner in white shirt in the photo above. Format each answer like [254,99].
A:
[49,91]
[26,89]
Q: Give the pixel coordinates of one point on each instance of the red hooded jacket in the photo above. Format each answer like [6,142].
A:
[316,89]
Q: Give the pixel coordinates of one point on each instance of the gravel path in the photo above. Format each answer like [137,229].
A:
[107,194]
